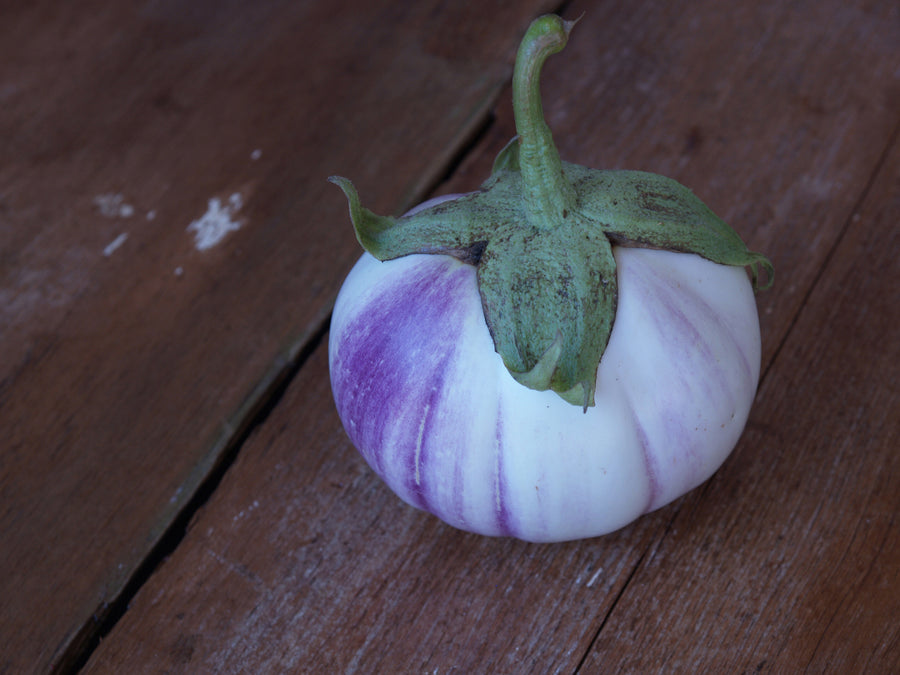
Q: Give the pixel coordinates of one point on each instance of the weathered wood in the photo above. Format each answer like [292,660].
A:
[792,559]
[131,358]
[303,557]
[779,116]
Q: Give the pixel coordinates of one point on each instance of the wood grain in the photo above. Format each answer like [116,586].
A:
[782,116]
[129,365]
[790,561]
[304,557]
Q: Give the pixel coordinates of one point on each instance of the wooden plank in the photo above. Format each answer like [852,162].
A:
[303,557]
[792,560]
[131,358]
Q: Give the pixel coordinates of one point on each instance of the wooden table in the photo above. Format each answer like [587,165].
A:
[176,491]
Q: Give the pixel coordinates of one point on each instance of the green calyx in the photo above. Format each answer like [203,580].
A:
[540,233]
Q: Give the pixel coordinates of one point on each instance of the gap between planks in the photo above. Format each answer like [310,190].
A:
[767,367]
[254,412]
[267,395]
[256,409]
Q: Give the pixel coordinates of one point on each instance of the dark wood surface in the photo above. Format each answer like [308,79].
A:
[173,476]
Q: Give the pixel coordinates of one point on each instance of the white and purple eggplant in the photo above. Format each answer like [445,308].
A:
[554,354]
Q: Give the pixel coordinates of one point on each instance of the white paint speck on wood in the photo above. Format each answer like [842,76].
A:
[217,222]
[114,244]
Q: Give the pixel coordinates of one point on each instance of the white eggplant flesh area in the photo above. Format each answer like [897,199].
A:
[427,401]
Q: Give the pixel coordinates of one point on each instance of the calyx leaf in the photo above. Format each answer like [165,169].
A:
[540,233]
[640,209]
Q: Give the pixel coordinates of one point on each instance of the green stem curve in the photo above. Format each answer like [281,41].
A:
[549,196]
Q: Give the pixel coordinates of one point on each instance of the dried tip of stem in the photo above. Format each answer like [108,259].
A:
[569,25]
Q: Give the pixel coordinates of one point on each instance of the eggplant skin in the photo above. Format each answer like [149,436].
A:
[427,401]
